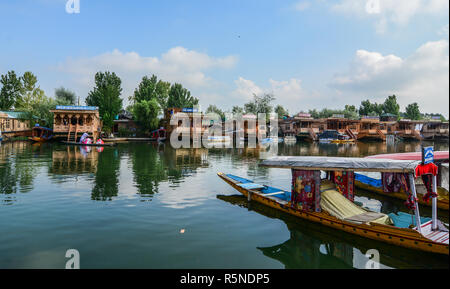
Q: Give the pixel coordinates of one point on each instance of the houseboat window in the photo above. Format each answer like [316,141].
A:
[7,123]
[80,121]
[58,120]
[73,121]
[66,120]
[88,120]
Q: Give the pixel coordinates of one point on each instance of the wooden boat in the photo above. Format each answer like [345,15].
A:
[88,145]
[330,201]
[343,141]
[373,182]
[41,134]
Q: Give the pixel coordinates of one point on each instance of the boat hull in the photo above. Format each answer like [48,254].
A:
[89,145]
[407,238]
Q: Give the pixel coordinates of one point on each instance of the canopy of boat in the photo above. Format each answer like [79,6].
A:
[341,164]
[415,156]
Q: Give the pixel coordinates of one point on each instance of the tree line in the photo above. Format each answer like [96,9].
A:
[150,98]
[153,96]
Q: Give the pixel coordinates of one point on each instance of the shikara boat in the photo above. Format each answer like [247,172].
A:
[89,145]
[375,182]
[41,134]
[329,201]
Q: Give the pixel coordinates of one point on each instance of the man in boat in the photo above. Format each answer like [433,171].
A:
[85,139]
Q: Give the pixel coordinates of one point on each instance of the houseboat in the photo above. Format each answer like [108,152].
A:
[343,126]
[435,130]
[371,129]
[41,134]
[388,184]
[329,201]
[14,124]
[407,129]
[70,122]
[308,128]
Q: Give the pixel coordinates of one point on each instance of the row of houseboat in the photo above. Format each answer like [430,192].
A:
[304,127]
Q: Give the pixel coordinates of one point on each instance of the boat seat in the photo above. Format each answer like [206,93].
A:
[251,186]
[274,194]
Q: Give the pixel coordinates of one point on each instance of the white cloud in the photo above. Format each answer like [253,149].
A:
[302,5]
[386,12]
[179,64]
[422,77]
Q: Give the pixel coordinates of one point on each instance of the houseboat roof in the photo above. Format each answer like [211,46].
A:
[14,114]
[341,164]
[75,107]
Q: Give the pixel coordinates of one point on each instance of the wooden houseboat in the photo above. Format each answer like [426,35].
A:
[408,129]
[329,201]
[371,129]
[308,128]
[344,126]
[14,124]
[70,122]
[435,130]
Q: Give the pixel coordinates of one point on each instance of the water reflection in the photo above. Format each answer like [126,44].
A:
[314,246]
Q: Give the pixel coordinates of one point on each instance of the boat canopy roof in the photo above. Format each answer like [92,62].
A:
[342,164]
[417,156]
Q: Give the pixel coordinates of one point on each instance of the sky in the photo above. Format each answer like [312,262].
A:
[308,53]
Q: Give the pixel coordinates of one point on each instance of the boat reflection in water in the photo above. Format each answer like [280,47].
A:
[317,247]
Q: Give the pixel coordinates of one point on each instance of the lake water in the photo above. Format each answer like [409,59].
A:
[143,205]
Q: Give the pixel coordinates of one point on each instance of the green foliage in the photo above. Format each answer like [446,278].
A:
[11,90]
[152,88]
[390,105]
[180,97]
[349,112]
[30,94]
[146,113]
[260,104]
[106,95]
[216,110]
[372,109]
[65,97]
[281,111]
[237,110]
[412,111]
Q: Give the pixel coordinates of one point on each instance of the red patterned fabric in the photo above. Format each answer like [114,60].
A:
[306,190]
[345,184]
[426,170]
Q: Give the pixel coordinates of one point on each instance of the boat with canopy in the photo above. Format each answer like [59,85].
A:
[41,134]
[322,191]
[388,184]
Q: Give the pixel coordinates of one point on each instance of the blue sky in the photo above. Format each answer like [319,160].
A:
[310,54]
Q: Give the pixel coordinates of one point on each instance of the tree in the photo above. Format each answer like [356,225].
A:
[11,90]
[281,111]
[237,110]
[368,108]
[65,97]
[390,105]
[145,113]
[260,104]
[216,110]
[180,97]
[106,95]
[412,111]
[152,88]
[30,94]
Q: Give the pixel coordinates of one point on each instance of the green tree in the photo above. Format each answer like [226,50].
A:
[180,97]
[368,108]
[260,104]
[11,90]
[65,97]
[281,111]
[412,111]
[145,113]
[390,105]
[214,109]
[31,94]
[106,95]
[152,88]
[237,110]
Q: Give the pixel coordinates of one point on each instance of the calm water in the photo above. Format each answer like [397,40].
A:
[125,207]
